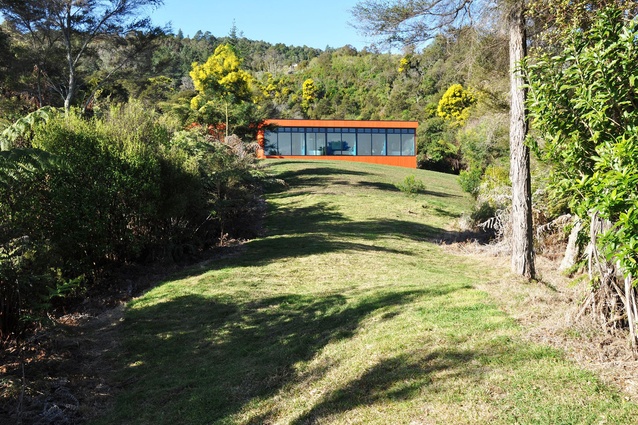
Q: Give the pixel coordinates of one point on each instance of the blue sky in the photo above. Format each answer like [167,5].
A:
[312,23]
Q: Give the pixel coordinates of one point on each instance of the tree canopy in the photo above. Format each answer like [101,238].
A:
[407,22]
[71,28]
[220,78]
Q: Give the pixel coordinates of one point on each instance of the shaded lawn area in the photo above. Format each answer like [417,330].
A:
[345,311]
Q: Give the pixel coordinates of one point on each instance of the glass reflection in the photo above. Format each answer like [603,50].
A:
[301,141]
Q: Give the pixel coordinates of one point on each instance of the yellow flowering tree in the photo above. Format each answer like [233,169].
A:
[405,64]
[220,79]
[455,104]
[309,93]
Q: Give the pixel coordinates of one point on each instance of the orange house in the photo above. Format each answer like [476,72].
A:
[377,142]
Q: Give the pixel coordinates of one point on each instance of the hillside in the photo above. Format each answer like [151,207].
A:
[346,311]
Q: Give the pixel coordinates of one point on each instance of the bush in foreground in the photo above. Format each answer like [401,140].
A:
[82,196]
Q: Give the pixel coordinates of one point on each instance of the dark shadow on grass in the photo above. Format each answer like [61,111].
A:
[444,213]
[389,187]
[324,218]
[379,186]
[267,250]
[294,219]
[200,360]
[304,231]
[314,169]
[399,378]
[438,194]
[316,176]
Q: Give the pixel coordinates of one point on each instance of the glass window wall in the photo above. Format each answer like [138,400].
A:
[378,142]
[270,143]
[407,143]
[364,141]
[394,142]
[284,143]
[315,141]
[300,141]
[349,141]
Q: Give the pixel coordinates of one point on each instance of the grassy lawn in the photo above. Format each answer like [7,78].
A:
[346,311]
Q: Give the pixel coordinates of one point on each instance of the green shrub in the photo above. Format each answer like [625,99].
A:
[230,186]
[495,187]
[437,146]
[470,180]
[411,185]
[481,212]
[587,127]
[30,283]
[103,201]
[485,140]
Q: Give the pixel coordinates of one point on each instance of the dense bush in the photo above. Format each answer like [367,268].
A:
[583,103]
[27,268]
[437,147]
[584,106]
[89,194]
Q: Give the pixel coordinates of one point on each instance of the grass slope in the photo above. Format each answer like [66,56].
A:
[346,312]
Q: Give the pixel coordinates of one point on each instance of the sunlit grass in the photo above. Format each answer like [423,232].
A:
[345,311]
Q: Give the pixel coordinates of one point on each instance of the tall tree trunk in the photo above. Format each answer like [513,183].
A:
[226,118]
[70,94]
[522,235]
[66,29]
[39,88]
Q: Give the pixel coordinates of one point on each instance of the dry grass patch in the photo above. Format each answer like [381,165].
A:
[547,311]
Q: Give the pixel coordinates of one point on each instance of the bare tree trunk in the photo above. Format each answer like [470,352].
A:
[522,234]
[226,118]
[629,309]
[70,94]
[69,57]
[572,251]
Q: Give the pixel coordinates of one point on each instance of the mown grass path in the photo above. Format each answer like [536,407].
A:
[346,312]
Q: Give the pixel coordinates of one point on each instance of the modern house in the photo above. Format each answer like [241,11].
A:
[378,142]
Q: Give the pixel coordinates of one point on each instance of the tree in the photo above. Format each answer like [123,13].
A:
[75,26]
[408,22]
[520,174]
[309,92]
[455,104]
[221,78]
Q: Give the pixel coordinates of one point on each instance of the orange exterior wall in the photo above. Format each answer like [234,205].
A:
[398,161]
[342,123]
